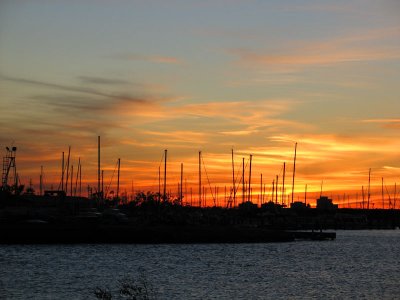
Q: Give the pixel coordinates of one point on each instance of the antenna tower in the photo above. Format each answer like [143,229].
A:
[9,168]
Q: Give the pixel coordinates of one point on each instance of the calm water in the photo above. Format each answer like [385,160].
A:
[359,264]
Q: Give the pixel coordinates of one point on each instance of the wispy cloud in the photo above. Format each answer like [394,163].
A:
[68,88]
[94,99]
[151,58]
[385,123]
[101,80]
[364,46]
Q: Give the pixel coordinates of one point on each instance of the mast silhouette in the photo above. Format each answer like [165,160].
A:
[62,172]
[283,182]
[233,181]
[261,191]
[294,169]
[67,167]
[98,167]
[80,178]
[199,178]
[165,175]
[181,190]
[243,195]
[119,167]
[273,191]
[251,156]
[159,184]
[369,187]
[383,197]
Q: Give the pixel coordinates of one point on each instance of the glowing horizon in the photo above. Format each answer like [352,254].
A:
[213,76]
[217,174]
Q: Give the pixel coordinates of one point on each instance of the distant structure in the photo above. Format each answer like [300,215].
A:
[298,205]
[9,169]
[324,203]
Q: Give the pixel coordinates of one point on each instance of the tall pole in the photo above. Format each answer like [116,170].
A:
[294,169]
[276,190]
[98,166]
[251,156]
[243,181]
[233,181]
[283,182]
[119,169]
[273,191]
[199,178]
[165,175]
[80,178]
[369,187]
[383,197]
[62,172]
[181,190]
[159,184]
[66,181]
[261,191]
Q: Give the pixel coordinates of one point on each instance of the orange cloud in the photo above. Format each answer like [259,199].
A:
[365,46]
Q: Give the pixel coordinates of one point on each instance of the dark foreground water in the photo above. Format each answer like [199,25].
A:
[359,264]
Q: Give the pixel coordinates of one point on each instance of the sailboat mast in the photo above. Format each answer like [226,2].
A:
[62,172]
[243,180]
[98,165]
[294,169]
[165,175]
[383,197]
[199,178]
[251,156]
[273,191]
[66,181]
[181,190]
[80,178]
[119,168]
[261,191]
[283,182]
[233,181]
[369,187]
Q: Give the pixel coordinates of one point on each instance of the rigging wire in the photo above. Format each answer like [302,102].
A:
[108,187]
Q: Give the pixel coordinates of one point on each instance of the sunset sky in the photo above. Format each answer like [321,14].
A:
[210,76]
